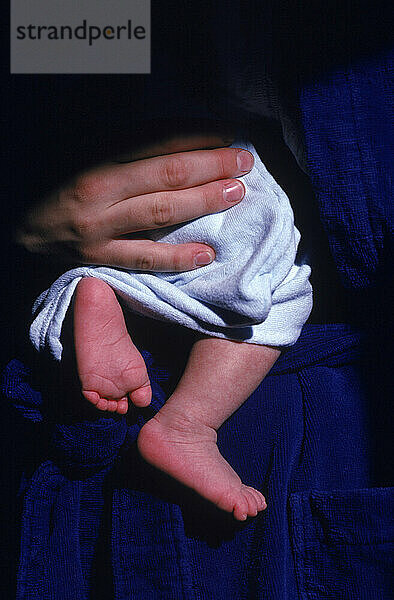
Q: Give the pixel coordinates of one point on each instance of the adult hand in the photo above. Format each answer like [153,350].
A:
[95,219]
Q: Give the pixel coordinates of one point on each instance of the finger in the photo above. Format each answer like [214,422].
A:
[163,209]
[174,172]
[178,144]
[145,255]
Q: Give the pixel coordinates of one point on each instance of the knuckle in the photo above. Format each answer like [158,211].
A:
[163,211]
[175,172]
[210,195]
[221,164]
[84,226]
[182,261]
[145,262]
[86,254]
[179,264]
[85,187]
[178,260]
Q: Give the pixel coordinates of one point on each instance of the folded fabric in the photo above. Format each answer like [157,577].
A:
[252,292]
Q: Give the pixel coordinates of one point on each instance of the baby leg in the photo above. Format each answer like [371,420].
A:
[181,438]
[110,368]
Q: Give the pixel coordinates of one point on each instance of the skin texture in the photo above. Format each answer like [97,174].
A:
[181,438]
[98,217]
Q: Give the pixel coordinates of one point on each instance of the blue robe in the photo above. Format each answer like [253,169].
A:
[94,516]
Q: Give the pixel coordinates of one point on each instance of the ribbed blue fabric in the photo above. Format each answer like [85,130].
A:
[349,130]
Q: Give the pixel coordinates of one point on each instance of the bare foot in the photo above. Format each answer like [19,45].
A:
[188,452]
[110,368]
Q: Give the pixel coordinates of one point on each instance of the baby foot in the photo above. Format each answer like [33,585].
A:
[110,368]
[188,452]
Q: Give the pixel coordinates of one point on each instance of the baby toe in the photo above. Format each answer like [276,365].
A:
[96,399]
[142,396]
[252,503]
[241,508]
[122,406]
[102,404]
[112,405]
[260,500]
[91,396]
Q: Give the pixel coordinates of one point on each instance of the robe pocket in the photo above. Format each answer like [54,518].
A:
[343,544]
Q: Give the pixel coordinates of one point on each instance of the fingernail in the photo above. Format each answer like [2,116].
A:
[203,258]
[244,161]
[233,191]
